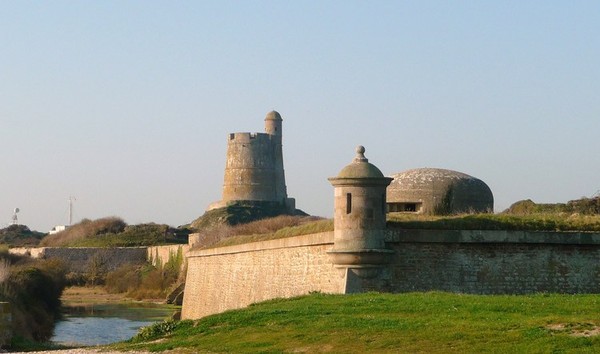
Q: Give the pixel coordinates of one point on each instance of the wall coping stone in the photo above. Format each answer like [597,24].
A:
[322,238]
[492,236]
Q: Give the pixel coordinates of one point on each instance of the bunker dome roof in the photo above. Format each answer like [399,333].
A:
[360,167]
[427,176]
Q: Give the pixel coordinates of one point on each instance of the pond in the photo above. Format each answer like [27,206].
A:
[97,324]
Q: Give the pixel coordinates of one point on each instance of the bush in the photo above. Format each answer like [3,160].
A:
[33,288]
[145,282]
[159,329]
[20,236]
[124,279]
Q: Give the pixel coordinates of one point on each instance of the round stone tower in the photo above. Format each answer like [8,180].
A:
[254,166]
[359,214]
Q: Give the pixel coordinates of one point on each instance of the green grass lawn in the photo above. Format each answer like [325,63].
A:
[390,323]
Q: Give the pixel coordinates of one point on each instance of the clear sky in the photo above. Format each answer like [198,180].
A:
[126,105]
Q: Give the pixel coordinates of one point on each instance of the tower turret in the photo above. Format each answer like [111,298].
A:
[273,127]
[273,123]
[359,214]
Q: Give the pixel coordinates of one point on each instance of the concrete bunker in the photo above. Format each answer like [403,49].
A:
[439,192]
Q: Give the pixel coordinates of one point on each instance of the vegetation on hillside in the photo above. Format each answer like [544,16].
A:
[114,232]
[20,236]
[241,212]
[261,230]
[33,289]
[586,206]
[146,281]
[389,323]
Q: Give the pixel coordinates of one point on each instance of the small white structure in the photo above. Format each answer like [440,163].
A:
[57,228]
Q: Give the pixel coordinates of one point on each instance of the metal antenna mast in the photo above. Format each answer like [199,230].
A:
[15,218]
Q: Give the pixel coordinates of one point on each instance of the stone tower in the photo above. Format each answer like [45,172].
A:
[254,167]
[359,222]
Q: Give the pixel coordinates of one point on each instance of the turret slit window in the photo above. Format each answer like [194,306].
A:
[348,203]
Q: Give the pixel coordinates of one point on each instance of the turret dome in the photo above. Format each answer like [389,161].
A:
[360,167]
[273,115]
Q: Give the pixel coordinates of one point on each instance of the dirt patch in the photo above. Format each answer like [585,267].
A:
[587,333]
[84,295]
[575,329]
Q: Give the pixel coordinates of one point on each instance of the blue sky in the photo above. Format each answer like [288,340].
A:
[127,105]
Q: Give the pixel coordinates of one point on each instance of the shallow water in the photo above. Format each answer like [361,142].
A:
[106,323]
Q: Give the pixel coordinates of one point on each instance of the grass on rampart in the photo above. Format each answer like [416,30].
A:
[531,222]
[262,230]
[389,323]
[288,226]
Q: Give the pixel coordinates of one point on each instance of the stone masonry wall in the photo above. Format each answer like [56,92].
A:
[495,262]
[80,259]
[495,268]
[478,262]
[232,277]
[160,255]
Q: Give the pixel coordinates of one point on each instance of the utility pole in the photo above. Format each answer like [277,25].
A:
[71,200]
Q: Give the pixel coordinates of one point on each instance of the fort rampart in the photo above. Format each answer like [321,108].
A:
[81,259]
[477,262]
[225,278]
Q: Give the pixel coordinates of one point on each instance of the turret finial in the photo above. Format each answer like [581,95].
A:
[360,154]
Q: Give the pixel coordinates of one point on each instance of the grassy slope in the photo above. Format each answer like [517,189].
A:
[533,222]
[380,323]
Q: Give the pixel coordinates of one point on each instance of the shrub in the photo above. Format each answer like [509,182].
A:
[33,289]
[145,282]
[20,236]
[156,330]
[123,279]
[97,268]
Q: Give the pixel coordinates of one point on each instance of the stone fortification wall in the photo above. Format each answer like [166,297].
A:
[232,277]
[478,262]
[33,252]
[161,255]
[80,259]
[494,262]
